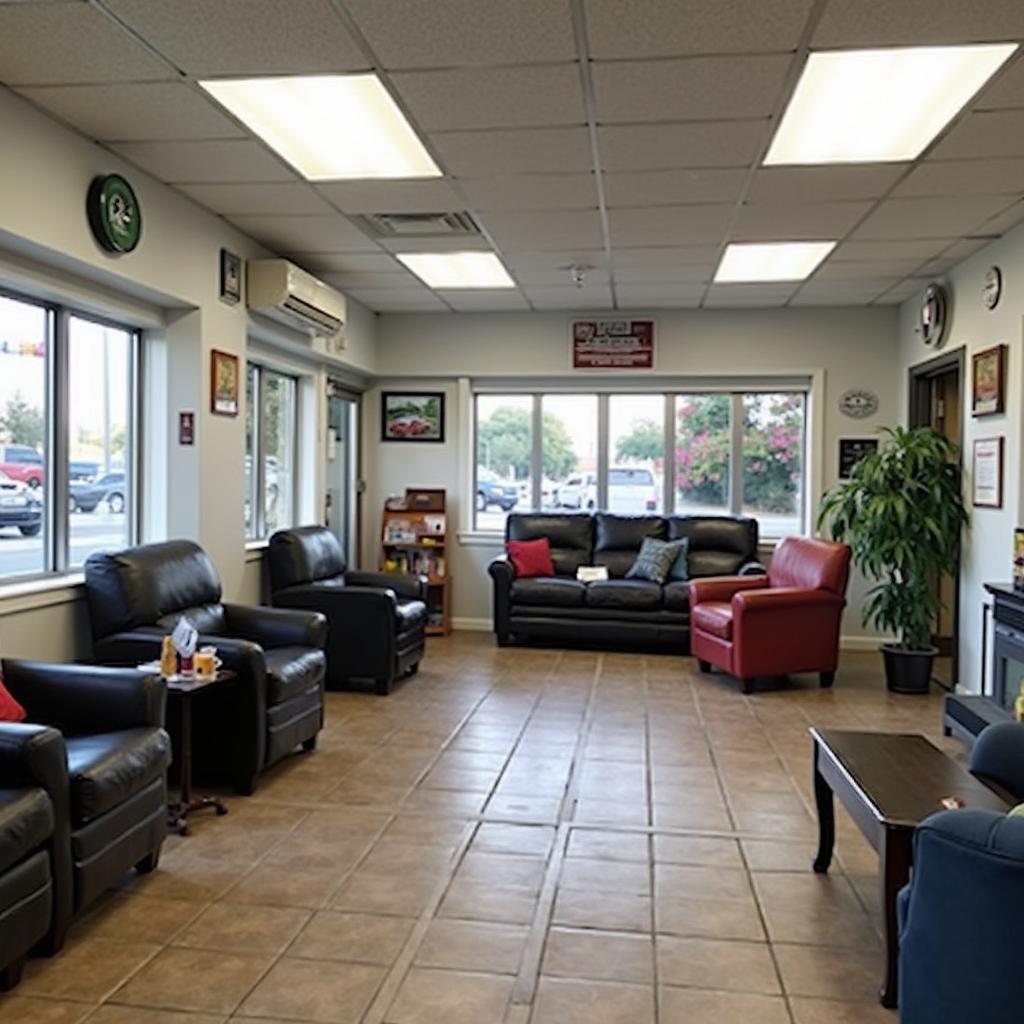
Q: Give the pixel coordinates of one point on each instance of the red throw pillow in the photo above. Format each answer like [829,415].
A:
[531,557]
[10,709]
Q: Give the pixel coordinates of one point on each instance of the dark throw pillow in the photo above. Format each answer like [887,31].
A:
[679,571]
[531,557]
[655,559]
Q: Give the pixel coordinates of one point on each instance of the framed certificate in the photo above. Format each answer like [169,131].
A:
[988,472]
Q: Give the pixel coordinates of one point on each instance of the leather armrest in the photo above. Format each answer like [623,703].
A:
[753,569]
[32,755]
[502,570]
[998,755]
[722,588]
[87,698]
[403,584]
[346,601]
[987,832]
[276,627]
[773,599]
[132,647]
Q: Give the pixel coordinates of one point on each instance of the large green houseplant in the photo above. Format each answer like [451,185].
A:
[902,512]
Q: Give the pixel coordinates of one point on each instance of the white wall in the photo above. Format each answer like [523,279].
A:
[988,543]
[848,347]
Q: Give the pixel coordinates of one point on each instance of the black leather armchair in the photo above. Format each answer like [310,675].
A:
[377,621]
[106,779]
[276,702]
[32,760]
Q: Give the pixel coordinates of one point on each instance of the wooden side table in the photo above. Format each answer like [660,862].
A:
[186,687]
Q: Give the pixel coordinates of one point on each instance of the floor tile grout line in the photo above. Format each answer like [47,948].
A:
[651,867]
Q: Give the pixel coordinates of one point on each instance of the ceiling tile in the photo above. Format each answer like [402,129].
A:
[467,300]
[440,243]
[346,281]
[590,297]
[856,23]
[697,144]
[332,233]
[259,37]
[900,293]
[663,275]
[679,256]
[297,198]
[60,44]
[653,188]
[823,184]
[461,32]
[964,177]
[551,259]
[929,218]
[545,230]
[668,225]
[868,270]
[140,111]
[919,249]
[386,300]
[531,192]
[695,87]
[662,28]
[493,97]
[205,161]
[1001,222]
[659,296]
[524,151]
[327,262]
[842,293]
[993,134]
[793,221]
[726,295]
[558,277]
[434,195]
[1006,89]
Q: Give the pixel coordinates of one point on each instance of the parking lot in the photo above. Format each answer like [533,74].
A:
[92,531]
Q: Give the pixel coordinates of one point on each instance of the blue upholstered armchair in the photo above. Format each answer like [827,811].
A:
[960,917]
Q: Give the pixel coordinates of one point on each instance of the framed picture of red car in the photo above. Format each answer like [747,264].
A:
[412,416]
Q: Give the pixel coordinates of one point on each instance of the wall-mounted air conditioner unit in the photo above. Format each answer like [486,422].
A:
[288,294]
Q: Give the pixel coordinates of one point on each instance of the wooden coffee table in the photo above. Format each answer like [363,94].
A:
[889,783]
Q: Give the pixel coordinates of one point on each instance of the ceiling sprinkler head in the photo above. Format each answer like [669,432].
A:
[578,273]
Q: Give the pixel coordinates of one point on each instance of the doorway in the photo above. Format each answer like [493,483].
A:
[342,484]
[936,400]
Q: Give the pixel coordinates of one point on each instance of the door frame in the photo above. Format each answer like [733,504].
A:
[919,379]
[336,388]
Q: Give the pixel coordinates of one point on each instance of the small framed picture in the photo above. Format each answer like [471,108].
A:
[988,381]
[224,382]
[412,416]
[230,277]
[988,472]
[852,450]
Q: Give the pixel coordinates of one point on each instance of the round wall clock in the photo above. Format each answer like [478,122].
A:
[114,214]
[992,290]
[858,403]
[932,324]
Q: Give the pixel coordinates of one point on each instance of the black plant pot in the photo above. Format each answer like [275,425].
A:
[908,671]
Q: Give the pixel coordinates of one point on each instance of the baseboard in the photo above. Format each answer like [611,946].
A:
[468,625]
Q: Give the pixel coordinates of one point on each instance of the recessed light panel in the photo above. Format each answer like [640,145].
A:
[329,127]
[770,261]
[457,269]
[863,106]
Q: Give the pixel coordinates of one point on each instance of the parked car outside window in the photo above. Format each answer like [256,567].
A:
[109,488]
[20,507]
[22,463]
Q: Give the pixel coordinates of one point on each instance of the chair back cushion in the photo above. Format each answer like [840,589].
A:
[811,564]
[142,586]
[618,539]
[304,555]
[571,536]
[719,545]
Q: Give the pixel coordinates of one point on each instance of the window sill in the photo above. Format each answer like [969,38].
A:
[40,593]
[481,538]
[255,549]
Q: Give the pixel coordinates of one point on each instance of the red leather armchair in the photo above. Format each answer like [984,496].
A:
[787,621]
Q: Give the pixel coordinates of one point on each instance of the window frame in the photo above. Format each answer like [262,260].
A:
[56,532]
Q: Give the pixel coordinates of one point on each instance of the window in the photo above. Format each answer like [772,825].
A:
[66,462]
[715,453]
[271,437]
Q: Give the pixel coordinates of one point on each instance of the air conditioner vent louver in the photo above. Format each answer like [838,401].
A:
[286,293]
[419,225]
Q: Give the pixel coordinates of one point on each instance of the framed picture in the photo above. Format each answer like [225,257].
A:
[852,450]
[988,472]
[224,382]
[988,381]
[613,344]
[412,416]
[230,277]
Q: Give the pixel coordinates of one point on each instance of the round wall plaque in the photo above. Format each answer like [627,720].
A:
[932,323]
[858,403]
[114,214]
[992,290]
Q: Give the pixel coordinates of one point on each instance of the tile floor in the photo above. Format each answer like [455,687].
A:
[515,836]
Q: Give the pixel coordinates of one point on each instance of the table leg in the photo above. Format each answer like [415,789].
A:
[178,813]
[894,872]
[826,817]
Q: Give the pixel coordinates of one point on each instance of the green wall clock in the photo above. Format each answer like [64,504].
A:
[114,214]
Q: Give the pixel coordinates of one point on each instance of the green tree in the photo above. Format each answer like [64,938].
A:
[504,444]
[23,423]
[644,443]
[702,449]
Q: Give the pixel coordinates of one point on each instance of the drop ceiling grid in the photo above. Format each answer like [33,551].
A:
[546,94]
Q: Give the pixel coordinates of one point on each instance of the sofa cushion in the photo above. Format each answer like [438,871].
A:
[26,822]
[571,536]
[714,617]
[550,590]
[531,557]
[617,539]
[676,596]
[634,595]
[108,768]
[719,545]
[292,671]
[409,614]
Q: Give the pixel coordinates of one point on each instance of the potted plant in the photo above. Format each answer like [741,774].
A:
[901,512]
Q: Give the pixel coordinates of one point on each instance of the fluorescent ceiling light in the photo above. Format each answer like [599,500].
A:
[860,106]
[457,269]
[328,126]
[770,261]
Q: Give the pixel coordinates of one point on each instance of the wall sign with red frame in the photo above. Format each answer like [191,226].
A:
[613,344]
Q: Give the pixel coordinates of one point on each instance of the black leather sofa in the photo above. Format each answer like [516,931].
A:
[245,725]
[103,765]
[618,610]
[376,621]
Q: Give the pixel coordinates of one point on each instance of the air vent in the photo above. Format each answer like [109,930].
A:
[419,225]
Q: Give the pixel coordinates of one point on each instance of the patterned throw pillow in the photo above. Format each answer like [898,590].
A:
[654,560]
[679,571]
